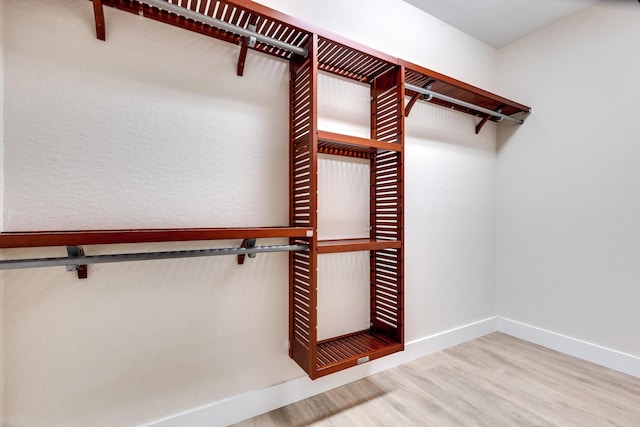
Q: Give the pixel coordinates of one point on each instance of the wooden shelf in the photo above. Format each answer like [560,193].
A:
[356,62]
[445,85]
[104,237]
[344,352]
[355,245]
[352,146]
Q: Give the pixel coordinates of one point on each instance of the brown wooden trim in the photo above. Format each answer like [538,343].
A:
[244,48]
[242,57]
[401,222]
[98,14]
[106,237]
[313,257]
[480,125]
[411,103]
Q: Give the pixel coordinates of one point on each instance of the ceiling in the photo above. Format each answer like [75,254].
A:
[500,22]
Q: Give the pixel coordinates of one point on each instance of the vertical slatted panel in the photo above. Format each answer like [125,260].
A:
[387,208]
[303,206]
[386,293]
[387,124]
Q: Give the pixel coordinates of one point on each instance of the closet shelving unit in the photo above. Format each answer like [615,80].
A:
[393,82]
[384,150]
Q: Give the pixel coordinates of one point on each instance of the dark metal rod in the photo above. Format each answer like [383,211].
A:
[145,256]
[222,25]
[461,103]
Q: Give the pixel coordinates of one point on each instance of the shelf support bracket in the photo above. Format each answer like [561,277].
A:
[247,243]
[82,269]
[98,13]
[486,119]
[416,96]
[411,103]
[247,42]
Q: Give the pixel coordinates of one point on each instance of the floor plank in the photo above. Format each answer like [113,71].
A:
[496,380]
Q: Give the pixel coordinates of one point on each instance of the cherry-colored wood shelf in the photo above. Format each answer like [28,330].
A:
[353,146]
[445,85]
[343,352]
[103,237]
[355,245]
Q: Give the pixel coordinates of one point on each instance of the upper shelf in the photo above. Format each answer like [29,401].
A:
[448,86]
[356,63]
[103,237]
[240,13]
[336,54]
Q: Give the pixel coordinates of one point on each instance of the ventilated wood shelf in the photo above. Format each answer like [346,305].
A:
[104,237]
[347,351]
[355,245]
[351,60]
[448,86]
[240,13]
[352,146]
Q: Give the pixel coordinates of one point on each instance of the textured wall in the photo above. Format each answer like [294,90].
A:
[150,129]
[569,182]
[400,29]
[2,17]
[153,129]
[120,134]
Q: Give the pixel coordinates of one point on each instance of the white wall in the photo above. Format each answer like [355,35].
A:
[401,30]
[569,181]
[1,208]
[2,17]
[153,129]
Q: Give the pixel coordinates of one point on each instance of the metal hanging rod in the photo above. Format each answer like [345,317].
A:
[74,261]
[222,25]
[461,103]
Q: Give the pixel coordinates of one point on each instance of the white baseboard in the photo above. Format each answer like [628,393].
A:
[238,408]
[594,353]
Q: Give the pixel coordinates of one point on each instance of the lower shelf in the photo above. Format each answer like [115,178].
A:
[350,350]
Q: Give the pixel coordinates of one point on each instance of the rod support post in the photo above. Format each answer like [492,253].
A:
[82,269]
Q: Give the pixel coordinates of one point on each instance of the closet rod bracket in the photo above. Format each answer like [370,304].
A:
[82,269]
[486,118]
[247,243]
[247,42]
[98,14]
[416,96]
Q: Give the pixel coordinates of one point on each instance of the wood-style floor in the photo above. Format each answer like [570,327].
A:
[496,380]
